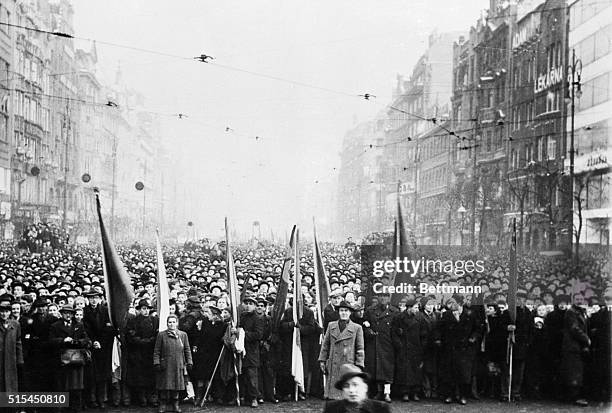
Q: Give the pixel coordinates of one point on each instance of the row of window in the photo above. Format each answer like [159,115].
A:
[595,46]
[433,178]
[595,91]
[545,148]
[584,10]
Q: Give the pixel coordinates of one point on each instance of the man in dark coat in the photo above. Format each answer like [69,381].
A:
[206,347]
[599,326]
[523,331]
[554,326]
[267,371]
[354,386]
[11,350]
[253,326]
[188,323]
[460,333]
[38,366]
[431,347]
[380,354]
[330,312]
[409,334]
[574,349]
[141,332]
[101,333]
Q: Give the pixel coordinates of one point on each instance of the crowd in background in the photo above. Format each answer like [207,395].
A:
[445,346]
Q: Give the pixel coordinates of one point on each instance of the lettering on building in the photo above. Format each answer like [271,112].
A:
[547,80]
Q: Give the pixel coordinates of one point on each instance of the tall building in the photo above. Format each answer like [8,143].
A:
[590,32]
[7,151]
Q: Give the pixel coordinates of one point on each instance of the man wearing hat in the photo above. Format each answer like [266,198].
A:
[431,347]
[12,357]
[330,312]
[575,345]
[207,345]
[460,333]
[101,333]
[554,327]
[380,353]
[141,332]
[253,326]
[189,320]
[343,343]
[353,383]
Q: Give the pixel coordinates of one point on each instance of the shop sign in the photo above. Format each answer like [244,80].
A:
[547,80]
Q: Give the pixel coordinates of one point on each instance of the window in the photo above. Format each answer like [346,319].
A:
[595,91]
[551,150]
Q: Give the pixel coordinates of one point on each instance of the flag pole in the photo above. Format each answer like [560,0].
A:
[212,377]
[512,284]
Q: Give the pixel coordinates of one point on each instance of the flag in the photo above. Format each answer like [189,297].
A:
[163,292]
[245,287]
[512,281]
[283,285]
[119,292]
[399,251]
[232,284]
[297,366]
[320,276]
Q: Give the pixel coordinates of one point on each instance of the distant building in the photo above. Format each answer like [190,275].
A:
[590,31]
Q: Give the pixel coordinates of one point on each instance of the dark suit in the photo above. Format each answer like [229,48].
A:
[368,406]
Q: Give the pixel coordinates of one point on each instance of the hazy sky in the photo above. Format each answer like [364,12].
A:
[351,47]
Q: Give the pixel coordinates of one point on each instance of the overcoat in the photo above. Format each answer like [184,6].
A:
[459,343]
[68,377]
[253,325]
[340,348]
[140,336]
[208,343]
[409,334]
[10,342]
[430,348]
[98,326]
[574,347]
[173,354]
[380,354]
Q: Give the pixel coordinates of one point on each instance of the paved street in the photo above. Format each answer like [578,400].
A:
[312,406]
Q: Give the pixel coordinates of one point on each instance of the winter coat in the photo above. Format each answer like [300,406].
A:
[99,328]
[409,334]
[523,332]
[340,348]
[141,333]
[172,355]
[380,353]
[575,346]
[309,339]
[10,343]
[253,325]
[431,347]
[554,326]
[459,346]
[206,348]
[68,377]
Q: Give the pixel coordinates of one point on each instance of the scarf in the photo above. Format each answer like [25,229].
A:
[342,324]
[173,334]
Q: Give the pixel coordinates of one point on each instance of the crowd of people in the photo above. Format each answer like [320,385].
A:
[442,346]
[42,236]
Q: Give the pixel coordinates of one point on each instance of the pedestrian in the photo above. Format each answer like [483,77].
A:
[171,362]
[574,350]
[353,383]
[253,326]
[11,350]
[409,335]
[460,332]
[70,342]
[342,344]
[141,334]
[380,353]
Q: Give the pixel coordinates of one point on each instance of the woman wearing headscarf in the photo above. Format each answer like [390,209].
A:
[69,334]
[171,361]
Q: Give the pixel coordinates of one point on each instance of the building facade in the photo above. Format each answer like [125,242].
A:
[590,32]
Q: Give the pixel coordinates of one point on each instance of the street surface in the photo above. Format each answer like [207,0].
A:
[316,406]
